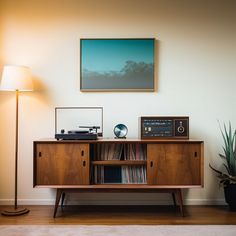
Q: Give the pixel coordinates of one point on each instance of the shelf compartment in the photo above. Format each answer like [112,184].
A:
[119,163]
[119,174]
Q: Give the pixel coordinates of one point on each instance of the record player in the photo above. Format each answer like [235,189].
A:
[90,134]
[67,119]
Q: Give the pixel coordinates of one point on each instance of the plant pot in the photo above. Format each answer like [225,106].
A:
[230,196]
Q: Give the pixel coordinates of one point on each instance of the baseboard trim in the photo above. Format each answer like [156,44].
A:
[113,202]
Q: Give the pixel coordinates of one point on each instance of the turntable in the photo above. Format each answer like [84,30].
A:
[90,134]
[67,119]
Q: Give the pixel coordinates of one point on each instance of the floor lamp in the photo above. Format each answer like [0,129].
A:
[16,78]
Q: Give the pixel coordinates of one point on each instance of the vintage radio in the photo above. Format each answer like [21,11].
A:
[165,127]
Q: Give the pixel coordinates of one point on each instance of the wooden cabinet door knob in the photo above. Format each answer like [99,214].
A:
[151,164]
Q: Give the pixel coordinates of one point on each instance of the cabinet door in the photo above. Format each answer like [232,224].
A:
[174,164]
[62,164]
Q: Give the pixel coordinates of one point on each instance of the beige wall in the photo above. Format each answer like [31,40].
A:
[196,73]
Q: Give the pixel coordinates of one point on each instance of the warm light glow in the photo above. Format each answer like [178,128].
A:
[16,78]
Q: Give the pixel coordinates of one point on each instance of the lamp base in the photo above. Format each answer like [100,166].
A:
[16,212]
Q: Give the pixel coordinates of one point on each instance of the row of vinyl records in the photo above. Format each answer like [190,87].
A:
[120,151]
[120,174]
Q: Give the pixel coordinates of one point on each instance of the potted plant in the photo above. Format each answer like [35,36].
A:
[228,178]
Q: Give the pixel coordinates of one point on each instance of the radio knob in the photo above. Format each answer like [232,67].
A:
[180,128]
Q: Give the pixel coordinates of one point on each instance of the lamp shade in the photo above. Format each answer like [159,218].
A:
[16,78]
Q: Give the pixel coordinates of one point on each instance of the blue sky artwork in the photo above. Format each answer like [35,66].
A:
[117,63]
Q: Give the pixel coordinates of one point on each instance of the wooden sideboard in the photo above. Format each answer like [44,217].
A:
[115,165]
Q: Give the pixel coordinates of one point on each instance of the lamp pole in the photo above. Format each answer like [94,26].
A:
[16,146]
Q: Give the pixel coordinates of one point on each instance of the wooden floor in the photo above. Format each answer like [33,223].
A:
[122,215]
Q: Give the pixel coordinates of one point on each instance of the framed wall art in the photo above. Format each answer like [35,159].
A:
[117,64]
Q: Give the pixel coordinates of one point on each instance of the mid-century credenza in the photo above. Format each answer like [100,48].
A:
[118,165]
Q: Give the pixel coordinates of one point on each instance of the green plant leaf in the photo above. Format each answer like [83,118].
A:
[224,138]
[226,135]
[222,156]
[226,167]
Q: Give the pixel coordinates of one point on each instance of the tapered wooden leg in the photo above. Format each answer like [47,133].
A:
[180,200]
[174,200]
[62,198]
[58,197]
